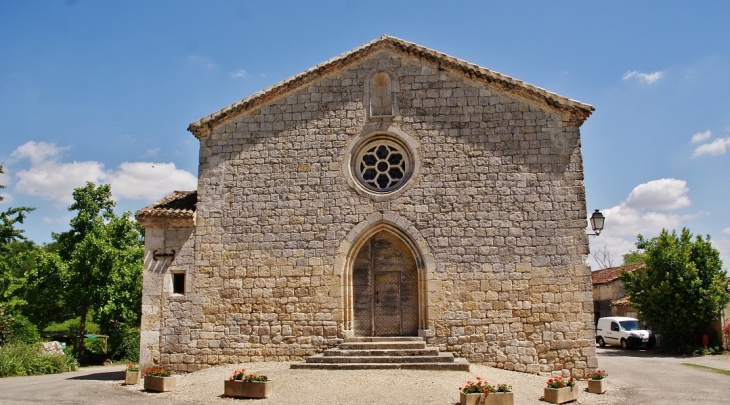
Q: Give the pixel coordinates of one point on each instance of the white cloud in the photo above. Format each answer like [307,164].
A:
[37,152]
[701,136]
[6,198]
[663,194]
[726,231]
[643,212]
[240,73]
[52,179]
[648,78]
[55,181]
[149,181]
[152,152]
[717,147]
[624,221]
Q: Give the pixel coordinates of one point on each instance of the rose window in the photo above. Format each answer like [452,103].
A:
[382,166]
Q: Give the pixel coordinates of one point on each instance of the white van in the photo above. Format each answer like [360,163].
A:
[623,331]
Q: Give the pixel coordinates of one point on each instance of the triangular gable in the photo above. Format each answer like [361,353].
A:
[571,110]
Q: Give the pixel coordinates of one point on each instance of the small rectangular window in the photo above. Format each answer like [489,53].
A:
[178,283]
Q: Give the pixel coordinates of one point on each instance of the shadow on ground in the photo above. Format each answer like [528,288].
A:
[102,376]
[619,352]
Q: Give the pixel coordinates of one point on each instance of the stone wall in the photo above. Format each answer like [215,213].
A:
[165,316]
[495,211]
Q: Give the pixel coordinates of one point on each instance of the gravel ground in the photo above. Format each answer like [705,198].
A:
[362,386]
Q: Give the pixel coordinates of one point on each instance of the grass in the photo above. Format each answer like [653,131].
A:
[714,370]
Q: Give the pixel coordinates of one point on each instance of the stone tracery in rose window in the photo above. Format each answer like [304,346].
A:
[382,166]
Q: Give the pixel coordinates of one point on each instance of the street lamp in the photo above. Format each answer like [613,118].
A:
[597,220]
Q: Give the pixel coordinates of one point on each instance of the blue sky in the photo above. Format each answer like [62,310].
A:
[104,90]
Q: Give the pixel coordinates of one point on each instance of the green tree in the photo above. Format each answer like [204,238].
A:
[13,260]
[634,257]
[120,309]
[103,255]
[45,289]
[681,288]
[8,219]
[16,260]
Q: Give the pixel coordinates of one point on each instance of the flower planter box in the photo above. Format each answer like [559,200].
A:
[598,386]
[131,377]
[561,395]
[160,384]
[471,399]
[242,389]
[500,398]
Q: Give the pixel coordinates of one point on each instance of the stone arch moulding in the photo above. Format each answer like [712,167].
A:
[354,241]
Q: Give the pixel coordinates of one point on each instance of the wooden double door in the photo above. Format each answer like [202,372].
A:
[385,288]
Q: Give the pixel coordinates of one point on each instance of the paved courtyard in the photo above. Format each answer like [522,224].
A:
[644,377]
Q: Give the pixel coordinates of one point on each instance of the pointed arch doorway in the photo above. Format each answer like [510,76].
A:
[385,287]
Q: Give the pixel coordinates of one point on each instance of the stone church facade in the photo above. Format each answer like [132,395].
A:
[390,191]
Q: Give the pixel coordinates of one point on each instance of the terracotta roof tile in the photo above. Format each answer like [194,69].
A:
[571,109]
[179,204]
[607,275]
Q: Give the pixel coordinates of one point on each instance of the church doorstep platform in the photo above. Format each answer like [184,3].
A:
[371,353]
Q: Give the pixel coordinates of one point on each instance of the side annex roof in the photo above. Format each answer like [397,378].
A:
[571,110]
[177,205]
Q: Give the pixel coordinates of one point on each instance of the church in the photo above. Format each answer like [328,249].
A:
[390,191]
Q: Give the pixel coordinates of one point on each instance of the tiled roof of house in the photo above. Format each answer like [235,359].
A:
[179,204]
[571,109]
[607,275]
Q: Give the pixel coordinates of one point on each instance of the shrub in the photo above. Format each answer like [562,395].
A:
[6,322]
[72,325]
[69,350]
[128,348]
[21,359]
[16,329]
[24,331]
[94,346]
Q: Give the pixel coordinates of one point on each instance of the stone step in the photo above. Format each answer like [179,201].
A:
[384,339]
[459,364]
[382,345]
[368,353]
[382,352]
[439,358]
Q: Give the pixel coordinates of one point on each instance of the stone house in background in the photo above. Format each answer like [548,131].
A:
[609,295]
[610,299]
[389,191]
